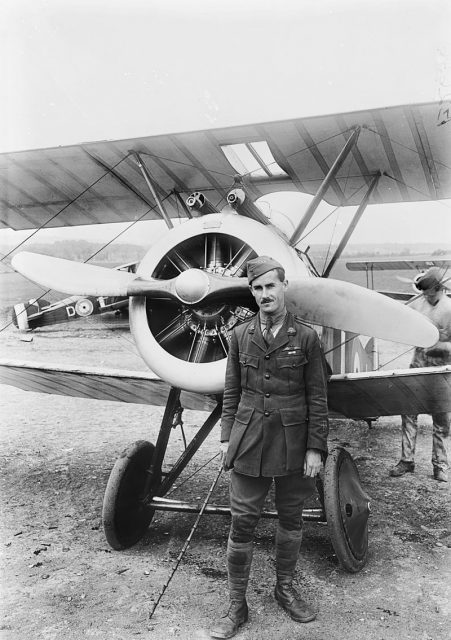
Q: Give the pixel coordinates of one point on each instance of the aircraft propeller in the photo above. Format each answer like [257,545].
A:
[326,302]
[190,286]
[346,306]
[413,281]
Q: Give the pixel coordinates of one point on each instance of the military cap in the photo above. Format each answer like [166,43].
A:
[260,265]
[431,278]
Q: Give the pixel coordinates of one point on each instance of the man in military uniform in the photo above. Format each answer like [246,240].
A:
[435,305]
[274,426]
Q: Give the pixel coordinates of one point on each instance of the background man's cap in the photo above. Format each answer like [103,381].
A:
[431,278]
[258,266]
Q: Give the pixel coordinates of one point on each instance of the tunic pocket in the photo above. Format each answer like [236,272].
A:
[242,419]
[291,369]
[249,368]
[293,417]
[293,362]
[294,423]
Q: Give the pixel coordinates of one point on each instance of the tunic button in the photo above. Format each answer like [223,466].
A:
[267,395]
[267,376]
[266,357]
[266,413]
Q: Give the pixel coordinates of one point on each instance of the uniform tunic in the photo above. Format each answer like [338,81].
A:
[440,315]
[275,399]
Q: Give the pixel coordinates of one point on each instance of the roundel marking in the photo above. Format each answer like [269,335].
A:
[84,307]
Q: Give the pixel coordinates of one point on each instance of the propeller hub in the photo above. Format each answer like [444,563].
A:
[192,286]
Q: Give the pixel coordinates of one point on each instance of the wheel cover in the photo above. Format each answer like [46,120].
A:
[347,510]
[354,507]
[125,516]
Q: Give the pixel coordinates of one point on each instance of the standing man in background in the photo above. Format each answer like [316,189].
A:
[435,305]
[274,427]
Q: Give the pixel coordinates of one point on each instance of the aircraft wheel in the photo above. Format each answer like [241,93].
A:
[347,509]
[125,517]
[84,307]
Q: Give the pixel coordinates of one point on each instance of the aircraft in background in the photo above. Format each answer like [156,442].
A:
[39,312]
[190,290]
[399,264]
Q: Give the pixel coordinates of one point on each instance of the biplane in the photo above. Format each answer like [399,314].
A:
[418,264]
[190,290]
[38,312]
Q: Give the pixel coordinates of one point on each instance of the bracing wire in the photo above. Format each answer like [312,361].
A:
[381,366]
[404,146]
[192,475]
[291,155]
[187,543]
[96,252]
[329,214]
[64,208]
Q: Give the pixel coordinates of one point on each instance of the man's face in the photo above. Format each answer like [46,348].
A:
[432,295]
[269,292]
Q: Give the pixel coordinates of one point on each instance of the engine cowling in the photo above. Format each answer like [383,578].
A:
[187,344]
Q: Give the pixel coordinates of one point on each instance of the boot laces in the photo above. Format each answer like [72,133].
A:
[292,591]
[233,607]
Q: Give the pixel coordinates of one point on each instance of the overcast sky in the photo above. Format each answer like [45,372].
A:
[86,70]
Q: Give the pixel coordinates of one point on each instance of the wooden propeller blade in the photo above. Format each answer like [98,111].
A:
[75,278]
[72,277]
[346,306]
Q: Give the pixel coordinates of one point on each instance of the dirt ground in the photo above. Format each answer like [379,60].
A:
[60,579]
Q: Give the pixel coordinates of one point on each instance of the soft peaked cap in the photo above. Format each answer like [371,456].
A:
[258,266]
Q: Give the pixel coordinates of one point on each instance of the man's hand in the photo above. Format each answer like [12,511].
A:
[224,446]
[312,463]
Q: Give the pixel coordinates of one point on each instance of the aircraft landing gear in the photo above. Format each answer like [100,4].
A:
[347,510]
[137,485]
[125,515]
[137,479]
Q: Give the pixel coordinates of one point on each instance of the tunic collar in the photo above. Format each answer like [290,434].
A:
[280,340]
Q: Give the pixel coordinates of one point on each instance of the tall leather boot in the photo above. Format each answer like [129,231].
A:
[288,544]
[239,560]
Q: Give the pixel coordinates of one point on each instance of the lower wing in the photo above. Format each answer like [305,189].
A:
[354,395]
[388,393]
[96,383]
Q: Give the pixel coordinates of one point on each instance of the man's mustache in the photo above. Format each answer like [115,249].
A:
[266,300]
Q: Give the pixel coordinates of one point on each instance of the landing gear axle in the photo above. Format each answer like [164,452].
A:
[137,486]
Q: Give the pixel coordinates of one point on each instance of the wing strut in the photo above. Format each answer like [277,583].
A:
[354,222]
[120,178]
[148,180]
[324,186]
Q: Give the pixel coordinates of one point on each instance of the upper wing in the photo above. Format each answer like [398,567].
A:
[387,393]
[100,182]
[355,395]
[400,264]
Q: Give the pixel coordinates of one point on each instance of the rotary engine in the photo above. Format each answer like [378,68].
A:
[185,340]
